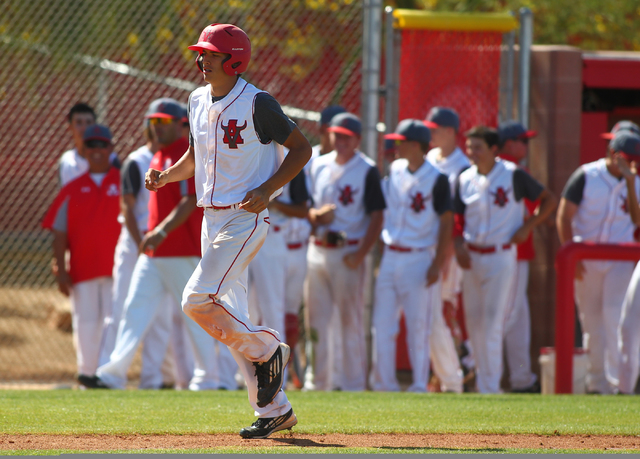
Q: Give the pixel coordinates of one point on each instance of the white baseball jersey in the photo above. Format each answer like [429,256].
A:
[142,157]
[411,219]
[602,214]
[344,186]
[223,171]
[451,166]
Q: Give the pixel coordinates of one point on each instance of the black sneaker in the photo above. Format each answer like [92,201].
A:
[532,389]
[269,375]
[92,382]
[263,427]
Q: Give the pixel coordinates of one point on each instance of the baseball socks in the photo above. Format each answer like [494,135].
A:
[270,375]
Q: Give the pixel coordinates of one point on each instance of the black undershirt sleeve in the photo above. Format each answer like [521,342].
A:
[458,206]
[525,186]
[130,181]
[270,121]
[373,196]
[442,195]
[574,189]
[298,189]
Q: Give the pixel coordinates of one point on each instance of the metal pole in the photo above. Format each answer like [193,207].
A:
[526,40]
[371,53]
[103,96]
[391,74]
[511,41]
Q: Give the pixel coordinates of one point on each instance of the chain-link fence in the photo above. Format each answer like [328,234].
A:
[118,56]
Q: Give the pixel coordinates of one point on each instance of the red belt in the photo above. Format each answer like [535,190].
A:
[232,206]
[488,248]
[297,245]
[320,243]
[399,248]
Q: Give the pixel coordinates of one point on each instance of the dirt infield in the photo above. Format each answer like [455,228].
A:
[284,440]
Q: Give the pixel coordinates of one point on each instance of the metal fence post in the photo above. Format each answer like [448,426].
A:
[526,40]
[371,52]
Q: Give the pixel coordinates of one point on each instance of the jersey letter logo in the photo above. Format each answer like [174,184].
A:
[501,196]
[232,135]
[624,206]
[346,195]
[417,202]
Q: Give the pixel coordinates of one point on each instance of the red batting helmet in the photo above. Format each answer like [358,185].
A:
[228,39]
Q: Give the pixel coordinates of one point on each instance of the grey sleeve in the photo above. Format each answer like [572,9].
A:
[442,195]
[574,189]
[130,181]
[61,223]
[525,186]
[270,121]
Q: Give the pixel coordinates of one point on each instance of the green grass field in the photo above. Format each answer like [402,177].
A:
[183,412]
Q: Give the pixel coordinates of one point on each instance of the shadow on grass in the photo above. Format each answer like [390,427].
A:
[305,443]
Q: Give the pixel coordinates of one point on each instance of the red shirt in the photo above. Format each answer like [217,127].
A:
[184,241]
[92,224]
[526,250]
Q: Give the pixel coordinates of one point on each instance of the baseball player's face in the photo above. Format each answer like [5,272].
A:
[517,148]
[442,136]
[212,66]
[165,131]
[479,152]
[79,123]
[97,153]
[344,144]
[407,149]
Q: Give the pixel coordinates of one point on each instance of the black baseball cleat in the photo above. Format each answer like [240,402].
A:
[532,389]
[92,382]
[270,375]
[263,427]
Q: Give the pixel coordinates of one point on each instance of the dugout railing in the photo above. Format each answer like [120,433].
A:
[566,258]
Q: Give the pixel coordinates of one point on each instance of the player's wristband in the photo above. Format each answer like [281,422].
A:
[161,232]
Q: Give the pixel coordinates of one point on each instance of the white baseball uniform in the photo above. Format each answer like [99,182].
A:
[415,202]
[628,336]
[602,216]
[354,188]
[232,158]
[489,210]
[444,357]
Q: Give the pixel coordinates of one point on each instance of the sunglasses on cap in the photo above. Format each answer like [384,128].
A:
[160,120]
[96,143]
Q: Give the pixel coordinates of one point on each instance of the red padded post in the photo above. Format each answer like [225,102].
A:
[566,258]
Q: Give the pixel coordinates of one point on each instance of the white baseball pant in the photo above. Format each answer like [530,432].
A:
[267,282]
[599,297]
[486,289]
[216,295]
[90,302]
[295,274]
[152,279]
[402,285]
[330,286]
[517,332]
[629,336]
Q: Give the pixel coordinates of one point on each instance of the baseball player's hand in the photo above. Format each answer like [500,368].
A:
[463,257]
[433,273]
[322,216]
[151,241]
[255,200]
[64,283]
[352,260]
[628,170]
[580,270]
[521,235]
[154,179]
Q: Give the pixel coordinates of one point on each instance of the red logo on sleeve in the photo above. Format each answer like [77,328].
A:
[232,135]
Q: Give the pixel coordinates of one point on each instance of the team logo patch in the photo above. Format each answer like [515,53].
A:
[232,135]
[113,190]
[417,202]
[624,206]
[346,195]
[501,196]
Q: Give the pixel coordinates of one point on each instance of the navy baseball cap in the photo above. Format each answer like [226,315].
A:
[328,113]
[165,107]
[346,123]
[412,130]
[97,132]
[442,117]
[624,125]
[513,130]
[626,142]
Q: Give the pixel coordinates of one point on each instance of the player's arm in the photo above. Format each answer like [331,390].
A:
[176,217]
[443,207]
[183,169]
[298,207]
[566,211]
[526,187]
[127,204]
[459,246]
[60,245]
[629,172]
[129,188]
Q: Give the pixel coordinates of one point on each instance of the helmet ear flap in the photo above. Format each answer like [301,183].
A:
[199,60]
